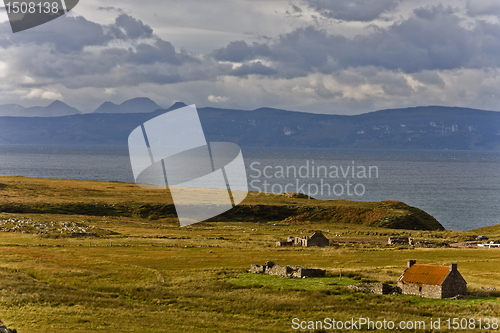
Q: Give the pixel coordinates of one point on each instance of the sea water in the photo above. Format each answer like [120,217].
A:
[461,189]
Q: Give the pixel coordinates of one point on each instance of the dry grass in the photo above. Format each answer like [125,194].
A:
[149,275]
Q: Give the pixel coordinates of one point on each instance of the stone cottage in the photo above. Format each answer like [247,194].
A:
[317,239]
[432,281]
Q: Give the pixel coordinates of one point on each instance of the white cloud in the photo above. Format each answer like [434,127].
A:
[218,99]
[3,69]
[27,80]
[44,94]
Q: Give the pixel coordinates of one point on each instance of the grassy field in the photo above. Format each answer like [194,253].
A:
[95,256]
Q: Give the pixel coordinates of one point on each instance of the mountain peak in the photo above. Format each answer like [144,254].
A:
[177,105]
[134,105]
[138,100]
[108,107]
[54,109]
[139,105]
[58,103]
[58,108]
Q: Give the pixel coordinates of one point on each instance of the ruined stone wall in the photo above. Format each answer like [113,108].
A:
[298,240]
[301,272]
[386,289]
[400,240]
[288,271]
[254,268]
[284,243]
[279,270]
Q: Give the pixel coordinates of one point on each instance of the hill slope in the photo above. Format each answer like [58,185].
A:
[431,127]
[48,196]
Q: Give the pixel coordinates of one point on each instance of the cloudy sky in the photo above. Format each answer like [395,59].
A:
[323,56]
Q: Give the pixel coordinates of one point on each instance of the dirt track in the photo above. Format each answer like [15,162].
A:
[465,244]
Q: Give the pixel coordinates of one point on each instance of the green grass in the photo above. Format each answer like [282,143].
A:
[280,283]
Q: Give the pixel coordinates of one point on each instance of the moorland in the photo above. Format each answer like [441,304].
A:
[88,256]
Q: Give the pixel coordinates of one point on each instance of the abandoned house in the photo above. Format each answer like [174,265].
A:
[317,239]
[432,281]
[271,268]
[386,289]
[401,240]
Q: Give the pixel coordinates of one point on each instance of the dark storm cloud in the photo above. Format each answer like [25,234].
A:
[77,52]
[353,10]
[307,49]
[239,51]
[60,35]
[72,34]
[159,52]
[127,27]
[431,39]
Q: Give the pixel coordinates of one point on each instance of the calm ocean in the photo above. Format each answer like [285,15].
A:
[461,189]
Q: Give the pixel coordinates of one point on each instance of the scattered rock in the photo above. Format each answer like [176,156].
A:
[4,329]
[361,287]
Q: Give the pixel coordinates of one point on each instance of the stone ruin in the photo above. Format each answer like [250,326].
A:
[317,239]
[386,289]
[400,240]
[271,268]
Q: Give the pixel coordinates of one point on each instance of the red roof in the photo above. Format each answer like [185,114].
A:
[425,274]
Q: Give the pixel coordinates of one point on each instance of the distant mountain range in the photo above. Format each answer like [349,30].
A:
[58,108]
[136,105]
[429,127]
[55,109]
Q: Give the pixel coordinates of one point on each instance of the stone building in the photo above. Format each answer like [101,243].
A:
[432,281]
[317,239]
[271,268]
[400,240]
[386,289]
